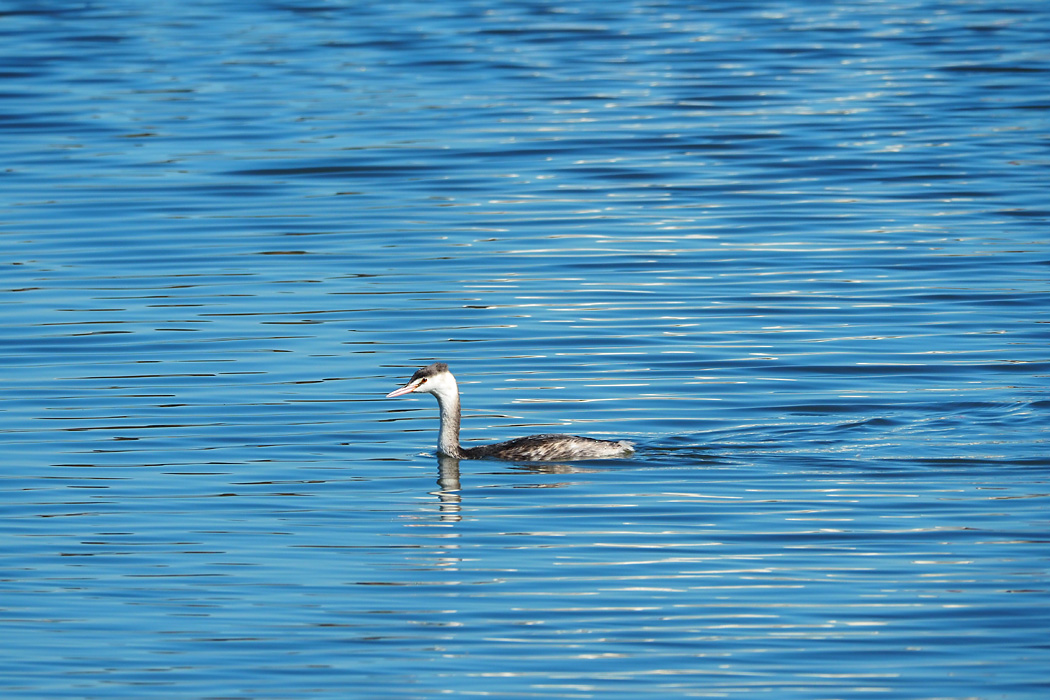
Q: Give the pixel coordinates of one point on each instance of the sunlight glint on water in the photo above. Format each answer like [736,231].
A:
[796,254]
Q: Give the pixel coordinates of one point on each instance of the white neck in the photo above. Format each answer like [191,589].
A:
[447,395]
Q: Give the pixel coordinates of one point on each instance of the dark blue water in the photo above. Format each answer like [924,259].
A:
[797,252]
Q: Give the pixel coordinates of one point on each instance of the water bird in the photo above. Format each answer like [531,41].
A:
[436,379]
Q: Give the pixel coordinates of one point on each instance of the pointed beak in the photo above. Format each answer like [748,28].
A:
[406,389]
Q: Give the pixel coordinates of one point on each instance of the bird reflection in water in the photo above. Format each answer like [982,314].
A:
[449,487]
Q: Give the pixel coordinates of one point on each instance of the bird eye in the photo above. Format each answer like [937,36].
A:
[423,380]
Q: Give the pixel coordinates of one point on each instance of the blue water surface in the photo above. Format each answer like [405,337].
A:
[796,252]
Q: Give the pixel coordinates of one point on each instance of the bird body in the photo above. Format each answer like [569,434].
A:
[436,379]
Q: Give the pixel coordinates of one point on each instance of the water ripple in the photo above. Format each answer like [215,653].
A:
[797,254]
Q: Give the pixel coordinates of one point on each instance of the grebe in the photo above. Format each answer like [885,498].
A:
[437,380]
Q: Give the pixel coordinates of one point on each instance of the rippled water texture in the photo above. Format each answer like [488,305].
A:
[796,252]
